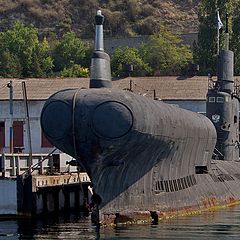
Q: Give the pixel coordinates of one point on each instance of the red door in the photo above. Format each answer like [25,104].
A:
[2,135]
[45,142]
[18,134]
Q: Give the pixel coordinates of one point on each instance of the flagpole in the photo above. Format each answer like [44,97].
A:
[218,40]
[227,34]
[218,34]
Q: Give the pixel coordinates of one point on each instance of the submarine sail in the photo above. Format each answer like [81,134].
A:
[223,106]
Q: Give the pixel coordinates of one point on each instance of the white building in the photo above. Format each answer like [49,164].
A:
[188,93]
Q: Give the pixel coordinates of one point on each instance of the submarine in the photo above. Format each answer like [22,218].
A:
[146,159]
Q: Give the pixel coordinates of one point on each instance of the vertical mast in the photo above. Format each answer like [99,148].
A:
[219,26]
[99,19]
[24,89]
[100,63]
[227,34]
[10,86]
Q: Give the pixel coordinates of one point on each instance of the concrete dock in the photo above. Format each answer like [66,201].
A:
[45,187]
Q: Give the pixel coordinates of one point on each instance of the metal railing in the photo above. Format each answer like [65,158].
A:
[15,164]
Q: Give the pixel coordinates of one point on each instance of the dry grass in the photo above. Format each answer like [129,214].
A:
[132,14]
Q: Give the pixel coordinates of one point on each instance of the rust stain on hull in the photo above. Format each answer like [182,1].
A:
[144,217]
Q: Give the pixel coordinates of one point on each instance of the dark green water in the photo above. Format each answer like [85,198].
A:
[219,225]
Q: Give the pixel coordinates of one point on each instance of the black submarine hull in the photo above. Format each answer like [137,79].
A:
[142,155]
[147,159]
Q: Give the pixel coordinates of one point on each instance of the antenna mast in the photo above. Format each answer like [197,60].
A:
[227,34]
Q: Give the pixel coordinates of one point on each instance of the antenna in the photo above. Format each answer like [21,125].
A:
[99,19]
[100,63]
[227,34]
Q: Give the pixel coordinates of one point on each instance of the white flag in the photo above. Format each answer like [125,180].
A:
[220,24]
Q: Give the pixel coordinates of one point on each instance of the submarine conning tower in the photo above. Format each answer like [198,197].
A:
[223,109]
[100,63]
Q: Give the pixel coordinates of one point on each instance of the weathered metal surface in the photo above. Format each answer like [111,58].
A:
[140,154]
[146,159]
[223,109]
[225,71]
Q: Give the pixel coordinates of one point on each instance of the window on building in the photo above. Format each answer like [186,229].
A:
[2,135]
[45,143]
[18,134]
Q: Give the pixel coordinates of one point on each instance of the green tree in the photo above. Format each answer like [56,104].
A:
[128,56]
[22,43]
[205,52]
[165,53]
[10,66]
[235,46]
[70,50]
[75,71]
[42,61]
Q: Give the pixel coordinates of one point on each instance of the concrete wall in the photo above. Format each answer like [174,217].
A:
[8,196]
[35,108]
[112,43]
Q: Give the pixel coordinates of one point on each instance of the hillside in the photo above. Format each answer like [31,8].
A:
[123,17]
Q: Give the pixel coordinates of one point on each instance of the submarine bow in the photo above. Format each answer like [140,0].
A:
[120,134]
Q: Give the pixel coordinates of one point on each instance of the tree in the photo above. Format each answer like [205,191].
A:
[128,56]
[165,53]
[70,50]
[235,46]
[21,42]
[42,61]
[205,52]
[10,66]
[75,71]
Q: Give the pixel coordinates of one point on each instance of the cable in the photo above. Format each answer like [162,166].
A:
[33,166]
[73,122]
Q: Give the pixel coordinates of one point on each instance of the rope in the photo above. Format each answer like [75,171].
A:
[73,122]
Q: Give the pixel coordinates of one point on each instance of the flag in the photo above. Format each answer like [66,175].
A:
[219,22]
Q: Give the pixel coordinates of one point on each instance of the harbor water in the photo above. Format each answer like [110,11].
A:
[218,225]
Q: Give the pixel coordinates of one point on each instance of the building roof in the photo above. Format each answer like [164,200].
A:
[166,88]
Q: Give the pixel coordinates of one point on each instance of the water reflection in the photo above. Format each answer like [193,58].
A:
[223,224]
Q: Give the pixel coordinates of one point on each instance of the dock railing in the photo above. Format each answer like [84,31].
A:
[15,164]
